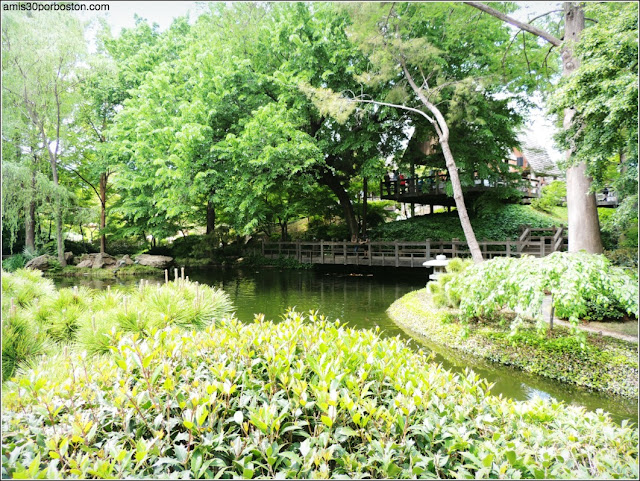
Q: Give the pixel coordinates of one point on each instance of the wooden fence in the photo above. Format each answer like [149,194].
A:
[412,254]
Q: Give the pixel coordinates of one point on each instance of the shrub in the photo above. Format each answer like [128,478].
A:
[583,286]
[78,248]
[81,317]
[290,400]
[624,257]
[15,262]
[550,197]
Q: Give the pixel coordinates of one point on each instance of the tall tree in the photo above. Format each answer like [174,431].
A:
[584,226]
[409,41]
[41,54]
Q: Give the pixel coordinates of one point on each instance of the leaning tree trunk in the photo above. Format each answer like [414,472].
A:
[584,225]
[440,124]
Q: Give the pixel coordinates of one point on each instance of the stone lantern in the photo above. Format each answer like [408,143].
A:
[439,265]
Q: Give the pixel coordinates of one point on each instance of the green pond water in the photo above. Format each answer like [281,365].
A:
[361,300]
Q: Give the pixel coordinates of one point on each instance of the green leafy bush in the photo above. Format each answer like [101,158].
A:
[15,262]
[550,197]
[583,286]
[289,400]
[81,317]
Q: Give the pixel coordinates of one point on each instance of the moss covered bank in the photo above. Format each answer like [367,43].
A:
[604,364]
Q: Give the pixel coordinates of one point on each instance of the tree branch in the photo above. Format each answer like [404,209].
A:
[397,106]
[524,26]
[86,181]
[543,15]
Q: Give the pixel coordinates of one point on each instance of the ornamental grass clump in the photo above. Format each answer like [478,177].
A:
[87,319]
[289,400]
[583,286]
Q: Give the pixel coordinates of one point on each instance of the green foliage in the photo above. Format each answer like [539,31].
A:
[77,248]
[14,262]
[624,257]
[497,223]
[583,286]
[291,400]
[80,318]
[619,226]
[603,91]
[550,196]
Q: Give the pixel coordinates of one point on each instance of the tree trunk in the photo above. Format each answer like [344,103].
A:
[584,225]
[211,217]
[343,197]
[470,236]
[53,159]
[103,212]
[364,206]
[442,129]
[30,223]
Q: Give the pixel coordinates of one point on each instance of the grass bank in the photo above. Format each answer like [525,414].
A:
[603,364]
[305,400]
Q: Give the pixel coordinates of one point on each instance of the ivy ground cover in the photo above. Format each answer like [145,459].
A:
[296,399]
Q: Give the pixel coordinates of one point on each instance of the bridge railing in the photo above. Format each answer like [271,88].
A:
[411,253]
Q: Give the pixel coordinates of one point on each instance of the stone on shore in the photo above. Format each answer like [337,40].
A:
[160,262]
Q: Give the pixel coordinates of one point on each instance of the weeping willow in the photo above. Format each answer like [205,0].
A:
[19,189]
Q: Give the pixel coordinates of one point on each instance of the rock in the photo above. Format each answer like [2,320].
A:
[41,263]
[68,257]
[102,260]
[126,260]
[85,263]
[160,262]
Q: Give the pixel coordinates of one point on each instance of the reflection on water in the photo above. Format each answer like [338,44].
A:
[361,300]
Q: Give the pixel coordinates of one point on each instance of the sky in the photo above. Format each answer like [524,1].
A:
[121,15]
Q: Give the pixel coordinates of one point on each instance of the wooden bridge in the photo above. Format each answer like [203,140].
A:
[532,241]
[431,190]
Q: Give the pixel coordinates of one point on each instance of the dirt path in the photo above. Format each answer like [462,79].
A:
[603,331]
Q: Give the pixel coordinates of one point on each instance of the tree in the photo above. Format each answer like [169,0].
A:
[40,63]
[584,227]
[603,91]
[409,41]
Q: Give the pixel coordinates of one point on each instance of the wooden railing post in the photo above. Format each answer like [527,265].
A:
[279,248]
[508,249]
[369,252]
[454,245]
[395,246]
[321,252]
[428,248]
[344,252]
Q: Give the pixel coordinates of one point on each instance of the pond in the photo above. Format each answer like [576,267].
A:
[361,300]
